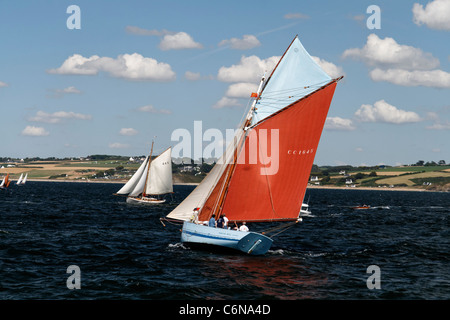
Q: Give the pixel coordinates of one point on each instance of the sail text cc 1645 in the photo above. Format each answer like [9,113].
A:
[266,169]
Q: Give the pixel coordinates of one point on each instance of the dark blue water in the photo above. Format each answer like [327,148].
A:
[124,252]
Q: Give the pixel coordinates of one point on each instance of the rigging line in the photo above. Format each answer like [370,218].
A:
[318,84]
[282,227]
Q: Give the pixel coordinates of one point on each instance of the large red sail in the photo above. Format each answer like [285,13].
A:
[267,179]
[253,195]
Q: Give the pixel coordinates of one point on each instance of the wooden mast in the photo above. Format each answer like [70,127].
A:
[218,208]
[148,170]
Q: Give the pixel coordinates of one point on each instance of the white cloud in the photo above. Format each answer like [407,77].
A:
[387,53]
[433,78]
[77,64]
[248,41]
[241,90]
[34,131]
[435,15]
[330,68]
[146,32]
[439,125]
[58,93]
[226,102]
[58,117]
[118,145]
[193,76]
[3,84]
[296,15]
[177,41]
[249,69]
[337,123]
[151,109]
[381,111]
[70,89]
[128,66]
[128,132]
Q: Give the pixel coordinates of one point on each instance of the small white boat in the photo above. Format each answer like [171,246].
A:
[248,242]
[363,207]
[22,180]
[304,210]
[144,200]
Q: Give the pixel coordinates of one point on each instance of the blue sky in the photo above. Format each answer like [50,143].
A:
[139,69]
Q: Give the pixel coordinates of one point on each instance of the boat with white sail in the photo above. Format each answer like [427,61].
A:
[5,182]
[285,120]
[152,180]
[22,180]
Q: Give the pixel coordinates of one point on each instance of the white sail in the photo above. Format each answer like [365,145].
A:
[140,185]
[201,193]
[20,179]
[295,76]
[131,184]
[25,178]
[155,180]
[160,175]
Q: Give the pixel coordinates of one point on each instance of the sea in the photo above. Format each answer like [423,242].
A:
[78,241]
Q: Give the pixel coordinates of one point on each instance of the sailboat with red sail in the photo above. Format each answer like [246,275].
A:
[5,182]
[265,170]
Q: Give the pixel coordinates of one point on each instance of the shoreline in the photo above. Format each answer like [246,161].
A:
[373,188]
[195,184]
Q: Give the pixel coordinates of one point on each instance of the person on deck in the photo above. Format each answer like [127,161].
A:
[194,217]
[243,227]
[225,221]
[212,221]
[220,222]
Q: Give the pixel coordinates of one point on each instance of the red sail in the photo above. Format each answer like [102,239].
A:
[253,195]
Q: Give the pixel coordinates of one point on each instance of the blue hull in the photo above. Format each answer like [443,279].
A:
[248,242]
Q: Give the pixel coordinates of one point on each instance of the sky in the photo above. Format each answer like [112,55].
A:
[114,75]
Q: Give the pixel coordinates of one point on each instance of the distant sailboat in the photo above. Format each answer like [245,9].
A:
[5,182]
[151,180]
[22,180]
[294,102]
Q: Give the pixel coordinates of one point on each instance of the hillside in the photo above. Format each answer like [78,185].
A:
[430,177]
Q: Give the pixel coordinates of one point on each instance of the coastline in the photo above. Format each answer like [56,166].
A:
[372,188]
[195,184]
[102,181]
